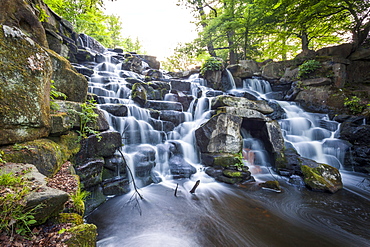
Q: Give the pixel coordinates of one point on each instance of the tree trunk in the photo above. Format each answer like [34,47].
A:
[202,14]
[305,41]
[230,40]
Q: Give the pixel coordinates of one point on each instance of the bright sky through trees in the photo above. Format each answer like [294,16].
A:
[160,25]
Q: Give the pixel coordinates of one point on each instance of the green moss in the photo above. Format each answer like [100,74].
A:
[45,154]
[73,218]
[82,235]
[227,160]
[322,178]
[232,173]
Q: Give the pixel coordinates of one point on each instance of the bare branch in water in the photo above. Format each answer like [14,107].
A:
[195,187]
[177,186]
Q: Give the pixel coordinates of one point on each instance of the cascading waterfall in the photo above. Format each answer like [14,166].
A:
[311,134]
[218,214]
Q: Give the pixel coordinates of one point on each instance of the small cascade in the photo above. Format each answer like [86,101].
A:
[230,79]
[312,135]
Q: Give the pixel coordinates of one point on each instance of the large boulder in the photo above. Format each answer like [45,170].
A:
[45,154]
[22,15]
[225,100]
[221,133]
[322,178]
[25,75]
[67,80]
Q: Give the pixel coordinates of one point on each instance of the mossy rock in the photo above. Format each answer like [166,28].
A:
[322,178]
[73,218]
[229,180]
[272,185]
[226,160]
[25,75]
[235,173]
[139,93]
[45,154]
[82,235]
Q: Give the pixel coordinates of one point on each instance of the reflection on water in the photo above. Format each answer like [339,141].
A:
[222,215]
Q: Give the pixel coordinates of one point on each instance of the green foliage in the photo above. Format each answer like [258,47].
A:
[308,67]
[354,105]
[54,95]
[186,57]
[18,147]
[78,199]
[87,16]
[87,119]
[211,64]
[2,161]
[14,188]
[42,15]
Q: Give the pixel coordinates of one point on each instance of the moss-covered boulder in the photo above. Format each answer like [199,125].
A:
[139,93]
[82,235]
[25,75]
[322,178]
[45,154]
[271,185]
[66,79]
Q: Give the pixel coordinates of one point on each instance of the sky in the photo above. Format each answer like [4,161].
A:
[159,24]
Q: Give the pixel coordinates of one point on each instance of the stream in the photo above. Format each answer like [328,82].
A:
[219,214]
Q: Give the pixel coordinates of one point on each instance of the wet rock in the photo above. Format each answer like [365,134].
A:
[236,174]
[163,105]
[174,117]
[221,160]
[273,70]
[225,100]
[322,178]
[103,145]
[139,93]
[238,70]
[116,186]
[243,112]
[272,185]
[91,43]
[278,113]
[221,133]
[179,168]
[182,86]
[117,110]
[90,173]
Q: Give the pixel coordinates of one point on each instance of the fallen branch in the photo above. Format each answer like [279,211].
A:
[195,187]
[177,186]
[132,176]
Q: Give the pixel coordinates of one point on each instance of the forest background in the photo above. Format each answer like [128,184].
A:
[236,29]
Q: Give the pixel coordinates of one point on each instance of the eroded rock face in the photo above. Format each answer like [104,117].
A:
[20,14]
[25,75]
[220,134]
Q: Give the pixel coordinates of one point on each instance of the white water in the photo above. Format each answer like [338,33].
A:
[220,215]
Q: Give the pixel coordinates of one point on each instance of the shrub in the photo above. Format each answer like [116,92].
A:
[305,69]
[354,104]
[14,188]
[211,64]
